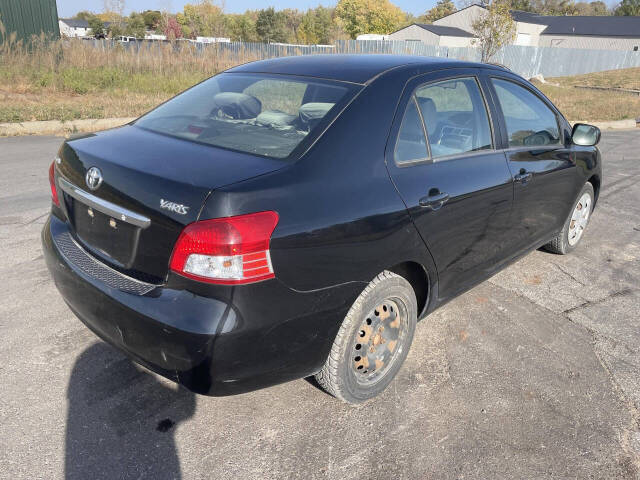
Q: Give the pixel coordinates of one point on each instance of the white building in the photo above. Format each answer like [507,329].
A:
[72,27]
[212,40]
[372,36]
[155,37]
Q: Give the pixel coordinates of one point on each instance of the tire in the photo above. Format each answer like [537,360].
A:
[365,358]
[566,241]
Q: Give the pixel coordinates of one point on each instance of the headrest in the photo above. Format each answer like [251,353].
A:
[238,106]
[275,119]
[314,111]
[429,112]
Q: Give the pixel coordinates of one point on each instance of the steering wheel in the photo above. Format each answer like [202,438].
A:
[539,138]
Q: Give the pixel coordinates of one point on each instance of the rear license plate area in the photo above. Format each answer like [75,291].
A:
[109,237]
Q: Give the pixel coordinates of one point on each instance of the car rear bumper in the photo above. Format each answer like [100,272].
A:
[217,342]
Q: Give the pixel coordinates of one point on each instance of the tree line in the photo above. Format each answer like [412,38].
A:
[320,25]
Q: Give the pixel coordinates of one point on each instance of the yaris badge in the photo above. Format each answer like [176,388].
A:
[93,178]
[174,207]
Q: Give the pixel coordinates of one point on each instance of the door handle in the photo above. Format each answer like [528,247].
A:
[523,177]
[434,202]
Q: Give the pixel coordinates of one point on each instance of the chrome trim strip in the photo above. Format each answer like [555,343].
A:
[538,148]
[104,206]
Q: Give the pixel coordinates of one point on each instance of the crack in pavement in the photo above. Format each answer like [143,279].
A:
[567,273]
[620,293]
[626,438]
[35,219]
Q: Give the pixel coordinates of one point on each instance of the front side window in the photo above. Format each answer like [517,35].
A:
[455,117]
[529,121]
[250,113]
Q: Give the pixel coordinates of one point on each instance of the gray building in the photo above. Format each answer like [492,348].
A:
[601,32]
[434,35]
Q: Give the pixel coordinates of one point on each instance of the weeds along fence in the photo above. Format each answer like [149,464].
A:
[187,59]
[157,58]
[525,60]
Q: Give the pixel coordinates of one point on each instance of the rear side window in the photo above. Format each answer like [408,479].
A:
[529,121]
[411,145]
[455,117]
[250,113]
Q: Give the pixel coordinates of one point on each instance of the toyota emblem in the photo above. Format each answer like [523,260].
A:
[93,178]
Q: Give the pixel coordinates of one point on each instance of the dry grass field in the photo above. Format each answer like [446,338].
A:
[627,78]
[584,104]
[71,79]
[68,80]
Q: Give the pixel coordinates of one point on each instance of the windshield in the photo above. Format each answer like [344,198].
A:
[252,113]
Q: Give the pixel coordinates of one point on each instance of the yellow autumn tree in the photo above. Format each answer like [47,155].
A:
[368,16]
[203,19]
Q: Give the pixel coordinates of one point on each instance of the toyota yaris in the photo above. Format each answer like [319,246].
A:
[297,216]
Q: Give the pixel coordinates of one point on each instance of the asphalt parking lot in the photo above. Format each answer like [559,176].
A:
[533,374]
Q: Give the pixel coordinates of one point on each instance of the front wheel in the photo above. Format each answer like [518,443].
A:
[373,340]
[576,224]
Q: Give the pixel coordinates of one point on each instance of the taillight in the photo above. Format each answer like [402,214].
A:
[232,250]
[52,182]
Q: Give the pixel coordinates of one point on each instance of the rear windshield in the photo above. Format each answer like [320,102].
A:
[252,113]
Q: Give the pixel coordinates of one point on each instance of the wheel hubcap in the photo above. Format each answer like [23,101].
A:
[579,219]
[376,343]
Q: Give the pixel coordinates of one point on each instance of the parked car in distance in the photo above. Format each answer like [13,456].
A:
[297,216]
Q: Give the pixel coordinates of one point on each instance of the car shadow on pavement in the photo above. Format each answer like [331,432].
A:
[121,419]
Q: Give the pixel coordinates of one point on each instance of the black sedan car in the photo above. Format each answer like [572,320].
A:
[297,216]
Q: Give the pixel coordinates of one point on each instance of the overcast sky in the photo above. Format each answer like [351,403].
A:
[68,8]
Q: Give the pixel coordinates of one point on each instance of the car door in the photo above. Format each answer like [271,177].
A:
[539,158]
[457,187]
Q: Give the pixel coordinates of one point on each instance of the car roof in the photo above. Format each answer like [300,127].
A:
[355,68]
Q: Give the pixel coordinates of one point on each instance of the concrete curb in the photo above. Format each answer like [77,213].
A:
[56,127]
[612,125]
[610,89]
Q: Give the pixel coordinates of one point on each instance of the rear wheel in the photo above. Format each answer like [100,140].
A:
[576,223]
[373,340]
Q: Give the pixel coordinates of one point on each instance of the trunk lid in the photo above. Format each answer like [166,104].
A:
[152,186]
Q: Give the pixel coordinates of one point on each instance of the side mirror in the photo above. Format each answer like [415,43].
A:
[585,135]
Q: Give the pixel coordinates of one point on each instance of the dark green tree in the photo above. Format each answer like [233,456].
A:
[242,27]
[135,26]
[597,8]
[270,26]
[522,5]
[84,15]
[442,9]
[115,30]
[151,19]
[628,8]
[97,27]
[317,26]
[554,7]
[291,21]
